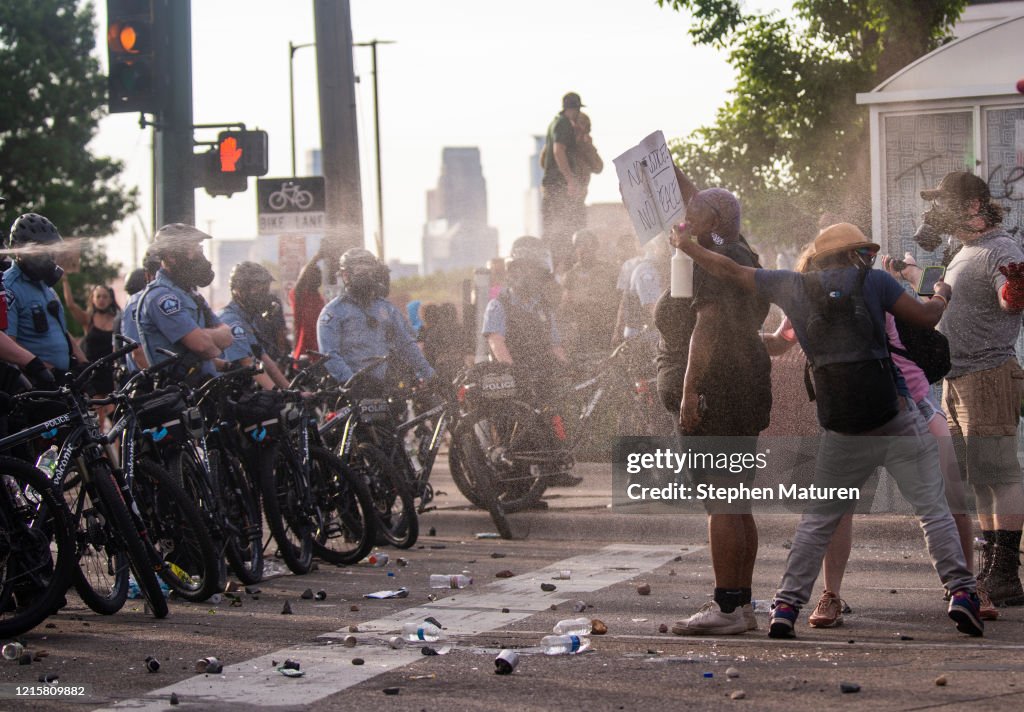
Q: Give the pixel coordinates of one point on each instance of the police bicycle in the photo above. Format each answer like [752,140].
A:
[313,502]
[37,547]
[505,449]
[110,536]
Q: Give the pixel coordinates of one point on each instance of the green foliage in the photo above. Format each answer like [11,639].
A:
[792,142]
[53,97]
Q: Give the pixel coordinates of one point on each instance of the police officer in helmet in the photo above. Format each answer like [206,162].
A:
[172,314]
[362,325]
[519,324]
[35,316]
[250,297]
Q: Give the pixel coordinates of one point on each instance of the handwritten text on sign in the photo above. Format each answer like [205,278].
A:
[649,189]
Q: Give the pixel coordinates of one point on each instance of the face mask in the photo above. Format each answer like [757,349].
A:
[41,268]
[937,223]
[362,285]
[196,272]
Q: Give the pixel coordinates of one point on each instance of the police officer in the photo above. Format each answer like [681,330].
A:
[361,325]
[519,324]
[129,327]
[171,314]
[250,297]
[35,316]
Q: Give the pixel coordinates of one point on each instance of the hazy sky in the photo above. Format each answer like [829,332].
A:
[462,73]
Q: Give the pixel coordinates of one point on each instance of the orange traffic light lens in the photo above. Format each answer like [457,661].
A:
[128,39]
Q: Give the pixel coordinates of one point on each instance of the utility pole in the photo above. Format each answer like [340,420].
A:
[292,49]
[338,130]
[372,44]
[172,146]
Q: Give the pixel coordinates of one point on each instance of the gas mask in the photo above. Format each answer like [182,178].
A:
[938,221]
[363,283]
[255,302]
[190,273]
[41,268]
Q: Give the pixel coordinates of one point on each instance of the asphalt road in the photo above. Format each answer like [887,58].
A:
[895,644]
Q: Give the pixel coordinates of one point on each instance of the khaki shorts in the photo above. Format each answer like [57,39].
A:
[982,410]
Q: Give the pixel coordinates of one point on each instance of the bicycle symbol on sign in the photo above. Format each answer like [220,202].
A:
[290,194]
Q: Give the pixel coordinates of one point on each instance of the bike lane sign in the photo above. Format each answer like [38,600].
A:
[292,206]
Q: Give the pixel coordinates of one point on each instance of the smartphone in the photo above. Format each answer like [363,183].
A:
[930,275]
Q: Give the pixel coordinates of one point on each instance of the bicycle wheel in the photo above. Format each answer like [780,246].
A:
[473,459]
[393,505]
[187,468]
[176,528]
[286,509]
[101,577]
[244,535]
[504,443]
[123,528]
[37,548]
[350,528]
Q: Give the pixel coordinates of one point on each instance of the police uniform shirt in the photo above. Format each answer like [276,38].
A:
[130,327]
[165,315]
[244,343]
[353,336]
[496,320]
[35,318]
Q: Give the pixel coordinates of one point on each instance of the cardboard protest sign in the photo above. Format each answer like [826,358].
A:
[649,189]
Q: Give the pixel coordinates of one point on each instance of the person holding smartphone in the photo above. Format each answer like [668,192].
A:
[982,391]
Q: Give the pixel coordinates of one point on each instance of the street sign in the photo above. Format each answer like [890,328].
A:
[291,205]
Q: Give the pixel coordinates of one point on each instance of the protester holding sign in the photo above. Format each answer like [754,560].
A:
[714,374]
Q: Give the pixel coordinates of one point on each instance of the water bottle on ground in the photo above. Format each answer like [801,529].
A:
[421,632]
[13,651]
[446,581]
[377,559]
[564,644]
[573,626]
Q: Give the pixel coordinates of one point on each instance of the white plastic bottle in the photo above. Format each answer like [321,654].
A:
[47,462]
[564,644]
[379,558]
[573,626]
[421,632]
[446,581]
[682,275]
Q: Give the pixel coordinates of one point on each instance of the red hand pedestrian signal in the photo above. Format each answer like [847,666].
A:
[230,153]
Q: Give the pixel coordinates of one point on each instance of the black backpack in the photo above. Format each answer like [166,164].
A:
[928,348]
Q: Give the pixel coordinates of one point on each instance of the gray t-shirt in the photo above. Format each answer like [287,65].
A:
[981,335]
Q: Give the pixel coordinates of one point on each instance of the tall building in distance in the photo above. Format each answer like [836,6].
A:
[531,205]
[457,234]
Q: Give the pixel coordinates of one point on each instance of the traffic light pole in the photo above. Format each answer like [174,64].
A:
[292,48]
[338,132]
[372,44]
[172,147]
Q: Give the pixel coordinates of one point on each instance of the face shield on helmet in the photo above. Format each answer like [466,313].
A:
[364,276]
[250,286]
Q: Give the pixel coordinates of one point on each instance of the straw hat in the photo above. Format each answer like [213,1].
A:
[840,238]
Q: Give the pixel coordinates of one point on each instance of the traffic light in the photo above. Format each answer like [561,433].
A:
[208,175]
[242,152]
[131,82]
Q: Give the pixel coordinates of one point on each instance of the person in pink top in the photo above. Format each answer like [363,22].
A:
[829,610]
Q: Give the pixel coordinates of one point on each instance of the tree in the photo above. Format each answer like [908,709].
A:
[54,96]
[792,142]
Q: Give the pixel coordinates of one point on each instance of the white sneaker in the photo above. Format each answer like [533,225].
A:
[710,620]
[749,617]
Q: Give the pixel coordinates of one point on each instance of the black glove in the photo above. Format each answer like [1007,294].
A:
[40,376]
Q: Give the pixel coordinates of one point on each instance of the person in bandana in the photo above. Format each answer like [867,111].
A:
[715,375]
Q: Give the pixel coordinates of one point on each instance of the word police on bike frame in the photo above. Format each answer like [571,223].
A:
[291,205]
